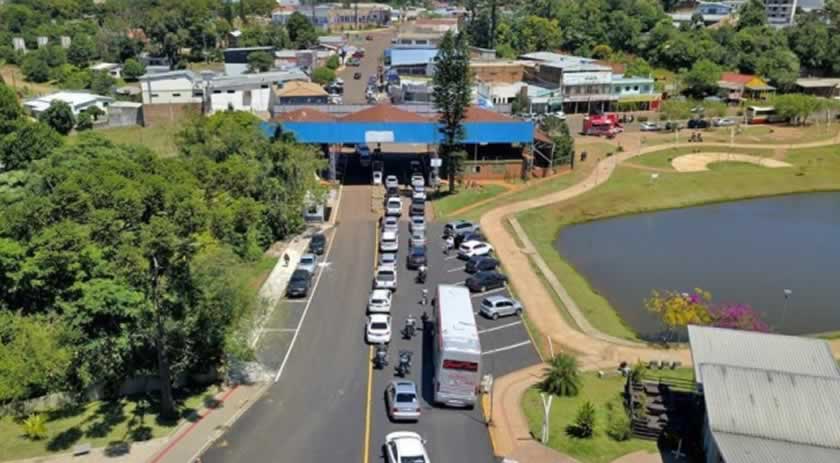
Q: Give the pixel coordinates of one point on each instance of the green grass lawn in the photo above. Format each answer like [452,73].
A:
[161,139]
[631,191]
[449,203]
[598,449]
[100,423]
[755,134]
[662,159]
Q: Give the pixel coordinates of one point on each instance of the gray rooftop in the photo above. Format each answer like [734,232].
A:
[781,407]
[171,75]
[737,448]
[250,80]
[747,349]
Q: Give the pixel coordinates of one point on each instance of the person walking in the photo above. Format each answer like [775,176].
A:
[425,298]
[286,259]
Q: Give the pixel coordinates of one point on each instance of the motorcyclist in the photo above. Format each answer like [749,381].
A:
[421,274]
[404,367]
[381,357]
[410,326]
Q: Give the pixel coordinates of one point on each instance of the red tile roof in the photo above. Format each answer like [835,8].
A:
[476,114]
[304,115]
[383,113]
[736,78]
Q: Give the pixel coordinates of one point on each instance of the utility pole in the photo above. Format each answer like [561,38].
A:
[167,405]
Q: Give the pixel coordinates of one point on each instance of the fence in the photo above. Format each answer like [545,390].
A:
[341,109]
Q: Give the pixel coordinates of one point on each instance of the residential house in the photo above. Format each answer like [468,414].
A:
[247,92]
[360,15]
[499,93]
[173,87]
[417,40]
[769,398]
[300,93]
[435,25]
[411,61]
[289,3]
[711,12]
[236,59]
[113,69]
[410,90]
[636,92]
[780,13]
[826,87]
[78,102]
[735,87]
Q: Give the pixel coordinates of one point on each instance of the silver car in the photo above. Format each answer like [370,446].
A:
[418,238]
[308,262]
[390,223]
[388,260]
[494,307]
[392,182]
[403,403]
[385,278]
[417,223]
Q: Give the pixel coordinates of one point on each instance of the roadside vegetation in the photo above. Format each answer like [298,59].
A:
[161,139]
[630,191]
[449,203]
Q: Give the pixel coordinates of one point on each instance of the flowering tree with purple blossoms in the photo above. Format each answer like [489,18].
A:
[679,309]
[739,317]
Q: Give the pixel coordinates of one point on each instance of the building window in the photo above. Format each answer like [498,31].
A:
[154,95]
[198,94]
[626,89]
[176,95]
[264,86]
[217,92]
[231,91]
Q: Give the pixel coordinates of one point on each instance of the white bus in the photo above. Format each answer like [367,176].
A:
[763,115]
[457,350]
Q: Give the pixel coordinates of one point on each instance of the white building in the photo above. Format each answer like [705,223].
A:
[248,92]
[174,87]
[281,15]
[113,69]
[780,12]
[78,102]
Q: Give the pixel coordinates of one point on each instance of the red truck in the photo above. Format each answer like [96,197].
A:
[606,124]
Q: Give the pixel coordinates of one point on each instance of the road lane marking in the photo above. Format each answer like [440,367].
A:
[305,311]
[490,330]
[489,292]
[450,257]
[456,269]
[459,283]
[502,349]
[366,447]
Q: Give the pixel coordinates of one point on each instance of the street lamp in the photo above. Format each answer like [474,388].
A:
[787,294]
[546,410]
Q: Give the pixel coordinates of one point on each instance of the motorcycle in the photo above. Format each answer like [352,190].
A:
[410,328]
[404,367]
[380,357]
[420,278]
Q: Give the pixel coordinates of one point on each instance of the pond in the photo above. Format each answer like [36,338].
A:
[747,251]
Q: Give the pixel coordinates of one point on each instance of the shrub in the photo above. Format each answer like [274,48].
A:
[642,118]
[584,424]
[618,423]
[35,427]
[84,121]
[562,376]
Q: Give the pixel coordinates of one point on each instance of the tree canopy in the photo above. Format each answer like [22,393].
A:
[452,93]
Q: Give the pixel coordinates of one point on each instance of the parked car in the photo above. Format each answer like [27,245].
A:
[485,281]
[481,264]
[364,155]
[390,223]
[385,278]
[697,124]
[417,223]
[377,177]
[318,244]
[406,447]
[417,238]
[473,248]
[648,127]
[459,227]
[672,126]
[308,262]
[299,283]
[392,192]
[391,181]
[378,329]
[379,301]
[471,236]
[416,257]
[418,196]
[389,242]
[393,206]
[724,122]
[388,259]
[357,75]
[557,114]
[415,166]
[417,209]
[494,307]
[417,180]
[402,400]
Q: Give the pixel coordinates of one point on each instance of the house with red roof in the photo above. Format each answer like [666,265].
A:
[736,87]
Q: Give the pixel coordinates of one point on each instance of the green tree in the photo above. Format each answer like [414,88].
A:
[780,67]
[702,78]
[638,68]
[323,75]
[796,107]
[301,32]
[562,376]
[10,109]
[333,62]
[810,38]
[84,121]
[27,141]
[260,61]
[82,50]
[35,67]
[677,309]
[752,14]
[564,142]
[583,425]
[619,426]
[132,69]
[452,93]
[101,83]
[59,116]
[35,427]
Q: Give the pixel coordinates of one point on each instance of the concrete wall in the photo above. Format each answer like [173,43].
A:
[169,91]
[252,100]
[155,115]
[493,170]
[125,116]
[502,73]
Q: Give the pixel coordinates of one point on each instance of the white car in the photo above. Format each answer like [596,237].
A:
[388,259]
[474,248]
[379,301]
[648,127]
[385,278]
[392,182]
[389,242]
[377,177]
[406,447]
[308,262]
[378,329]
[417,238]
[417,223]
[418,195]
[724,122]
[393,206]
[390,223]
[557,114]
[417,180]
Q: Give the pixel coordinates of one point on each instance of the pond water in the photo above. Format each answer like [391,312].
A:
[746,251]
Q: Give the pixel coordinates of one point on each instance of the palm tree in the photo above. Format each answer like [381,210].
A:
[562,376]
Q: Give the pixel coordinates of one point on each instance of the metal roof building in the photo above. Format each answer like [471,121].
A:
[747,349]
[766,416]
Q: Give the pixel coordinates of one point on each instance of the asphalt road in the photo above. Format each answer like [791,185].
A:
[354,90]
[315,412]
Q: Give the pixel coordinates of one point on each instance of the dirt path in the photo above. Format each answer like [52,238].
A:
[595,350]
[699,162]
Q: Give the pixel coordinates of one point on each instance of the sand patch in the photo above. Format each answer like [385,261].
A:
[699,162]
